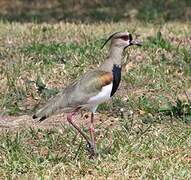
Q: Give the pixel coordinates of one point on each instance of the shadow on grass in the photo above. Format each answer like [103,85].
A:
[94,11]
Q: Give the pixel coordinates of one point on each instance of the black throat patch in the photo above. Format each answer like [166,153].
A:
[116,78]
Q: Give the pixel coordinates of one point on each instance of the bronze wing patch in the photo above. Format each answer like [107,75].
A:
[106,79]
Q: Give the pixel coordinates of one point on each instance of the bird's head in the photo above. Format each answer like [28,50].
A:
[122,40]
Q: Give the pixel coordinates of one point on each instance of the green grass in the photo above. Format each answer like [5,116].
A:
[152,151]
[96,11]
[149,139]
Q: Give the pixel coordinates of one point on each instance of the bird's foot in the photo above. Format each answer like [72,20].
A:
[92,150]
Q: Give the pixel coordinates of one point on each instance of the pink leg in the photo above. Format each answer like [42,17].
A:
[92,131]
[69,119]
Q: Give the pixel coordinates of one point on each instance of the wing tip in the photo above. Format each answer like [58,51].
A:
[41,119]
[34,116]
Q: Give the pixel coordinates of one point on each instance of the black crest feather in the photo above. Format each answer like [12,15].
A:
[109,39]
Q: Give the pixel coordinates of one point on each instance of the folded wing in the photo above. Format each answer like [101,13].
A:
[76,94]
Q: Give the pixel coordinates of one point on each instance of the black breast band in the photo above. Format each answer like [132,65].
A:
[116,78]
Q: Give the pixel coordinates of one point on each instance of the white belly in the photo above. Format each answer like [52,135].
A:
[101,97]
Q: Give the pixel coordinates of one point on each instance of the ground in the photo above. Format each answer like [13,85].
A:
[144,132]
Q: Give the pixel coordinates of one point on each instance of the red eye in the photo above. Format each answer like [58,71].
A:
[125,38]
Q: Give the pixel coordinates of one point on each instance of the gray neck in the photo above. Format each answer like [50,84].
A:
[114,57]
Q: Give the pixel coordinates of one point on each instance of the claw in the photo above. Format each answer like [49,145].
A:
[90,148]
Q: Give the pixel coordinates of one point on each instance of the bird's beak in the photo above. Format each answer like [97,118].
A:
[136,42]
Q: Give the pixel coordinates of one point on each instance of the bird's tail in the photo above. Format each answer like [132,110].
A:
[43,113]
[52,107]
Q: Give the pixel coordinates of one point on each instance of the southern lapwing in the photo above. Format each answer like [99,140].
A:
[92,89]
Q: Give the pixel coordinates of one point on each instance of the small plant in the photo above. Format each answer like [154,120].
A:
[45,92]
[181,110]
[146,105]
[158,41]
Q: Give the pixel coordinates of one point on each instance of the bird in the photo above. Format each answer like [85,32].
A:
[91,89]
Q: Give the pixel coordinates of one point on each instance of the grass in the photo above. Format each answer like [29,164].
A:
[96,11]
[154,151]
[144,133]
